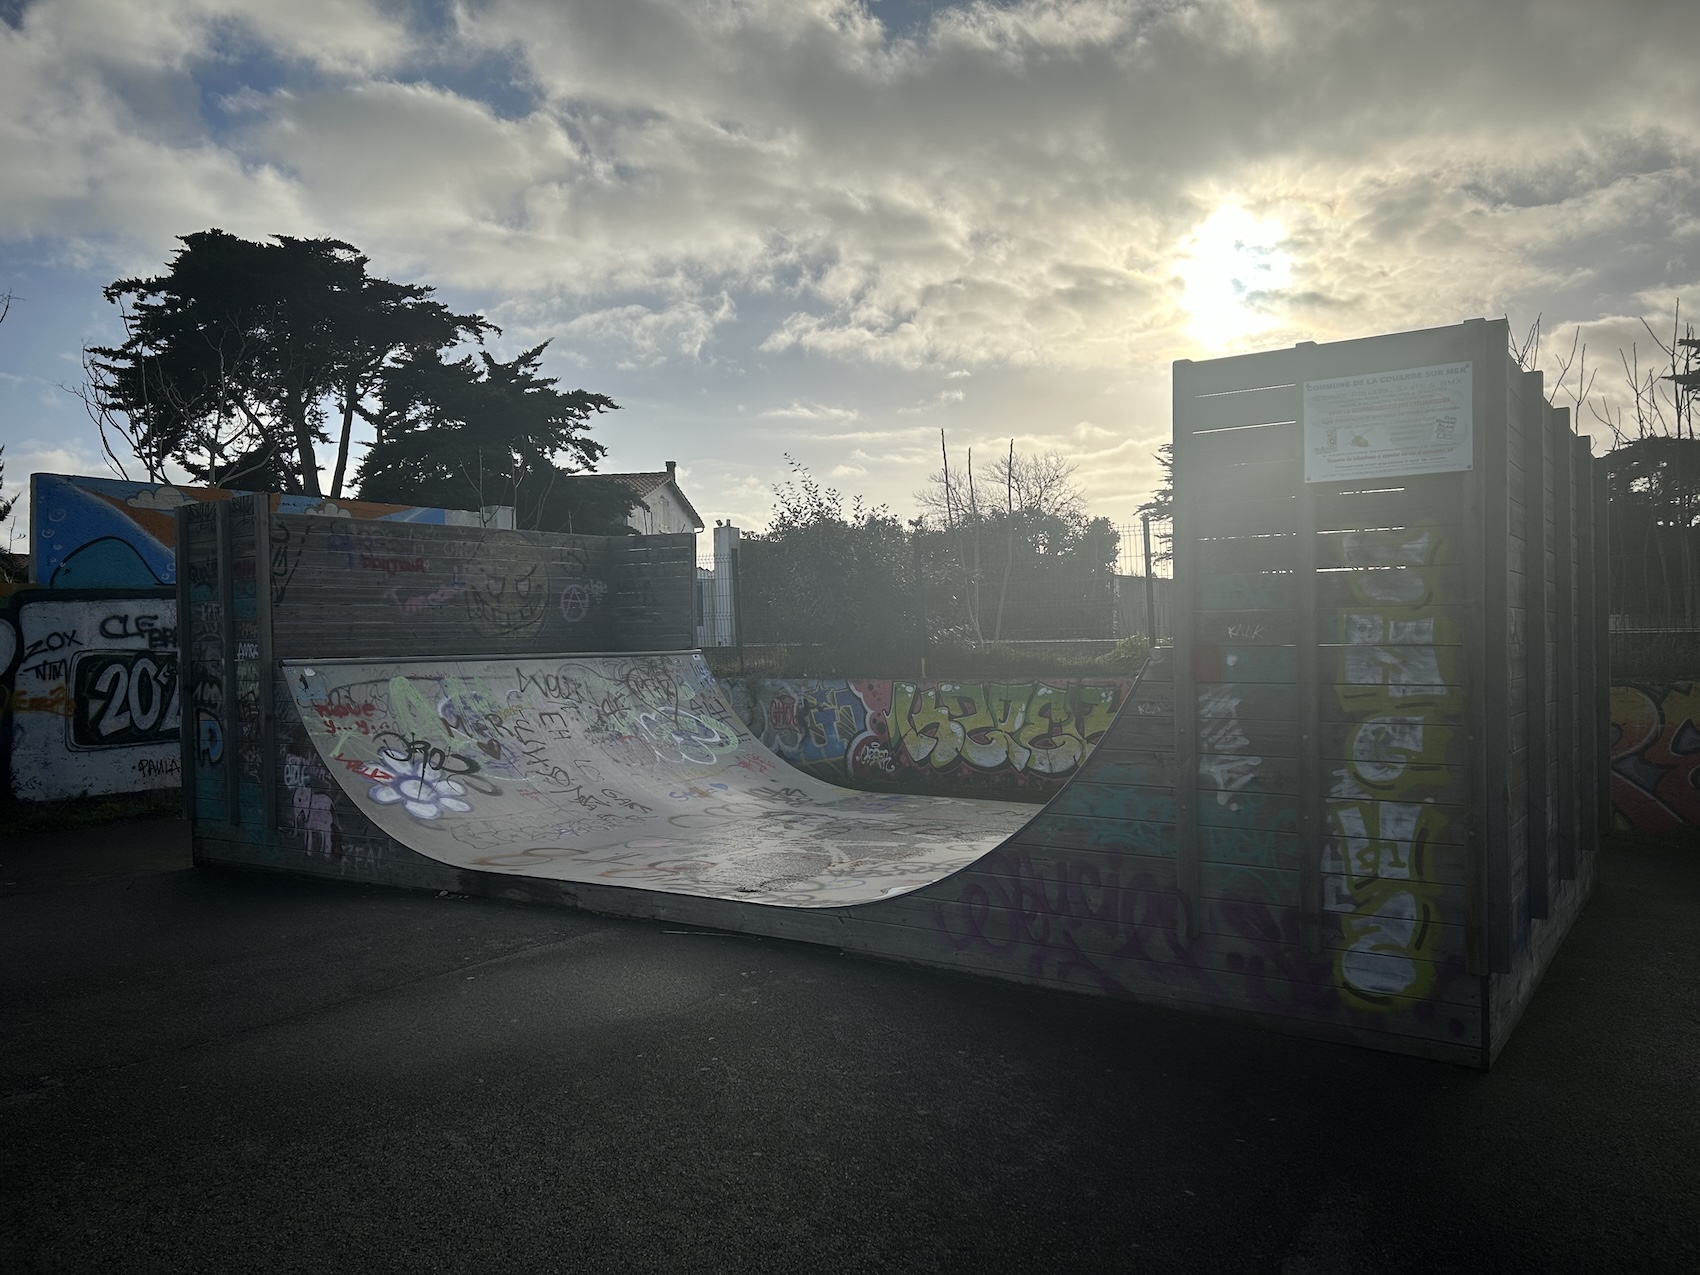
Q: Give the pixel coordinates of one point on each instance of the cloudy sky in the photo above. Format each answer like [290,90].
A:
[831,228]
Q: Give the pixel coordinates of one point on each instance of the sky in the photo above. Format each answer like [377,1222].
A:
[829,229]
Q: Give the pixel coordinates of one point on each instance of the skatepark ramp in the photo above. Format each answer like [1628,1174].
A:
[1359,802]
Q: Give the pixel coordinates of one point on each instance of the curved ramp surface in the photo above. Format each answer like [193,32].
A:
[627,770]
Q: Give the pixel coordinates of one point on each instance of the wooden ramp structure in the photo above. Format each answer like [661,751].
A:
[1358,800]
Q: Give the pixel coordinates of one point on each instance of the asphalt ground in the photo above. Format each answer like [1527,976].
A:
[231,1072]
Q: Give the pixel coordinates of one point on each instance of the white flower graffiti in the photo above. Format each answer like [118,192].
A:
[421,795]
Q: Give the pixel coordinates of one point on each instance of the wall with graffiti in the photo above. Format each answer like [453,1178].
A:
[1655,756]
[107,533]
[89,698]
[998,739]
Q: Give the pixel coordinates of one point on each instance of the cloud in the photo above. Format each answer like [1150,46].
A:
[936,401]
[164,498]
[30,456]
[812,412]
[790,191]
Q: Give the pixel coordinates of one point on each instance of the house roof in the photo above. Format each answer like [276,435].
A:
[646,482]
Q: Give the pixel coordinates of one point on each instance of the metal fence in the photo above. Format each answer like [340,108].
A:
[894,589]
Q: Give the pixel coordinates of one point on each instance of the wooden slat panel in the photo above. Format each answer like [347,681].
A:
[1389,736]
[1237,515]
[1266,552]
[1248,628]
[1408,507]
[1272,405]
[1249,591]
[1394,547]
[1394,586]
[1258,445]
[1384,625]
[1238,373]
[1248,484]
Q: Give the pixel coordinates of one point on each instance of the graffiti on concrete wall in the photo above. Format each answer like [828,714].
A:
[1655,756]
[1015,739]
[107,533]
[90,695]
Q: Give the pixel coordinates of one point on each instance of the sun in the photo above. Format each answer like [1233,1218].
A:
[1233,265]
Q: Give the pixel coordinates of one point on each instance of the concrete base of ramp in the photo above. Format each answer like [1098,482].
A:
[628,770]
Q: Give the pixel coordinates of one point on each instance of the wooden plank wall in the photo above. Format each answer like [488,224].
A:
[346,588]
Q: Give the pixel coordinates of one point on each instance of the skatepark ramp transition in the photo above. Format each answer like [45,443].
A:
[1358,802]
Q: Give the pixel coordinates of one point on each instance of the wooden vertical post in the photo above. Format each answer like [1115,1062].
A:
[1536,680]
[185,651]
[227,648]
[267,664]
[1564,637]
[1185,587]
[1493,440]
[1312,811]
[1587,656]
[1601,716]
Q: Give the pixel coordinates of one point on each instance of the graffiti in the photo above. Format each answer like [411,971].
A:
[613,768]
[575,602]
[123,698]
[159,637]
[418,602]
[1115,925]
[1223,762]
[947,736]
[56,703]
[209,739]
[287,548]
[419,793]
[107,533]
[52,642]
[1384,812]
[391,565]
[93,699]
[1655,756]
[507,586]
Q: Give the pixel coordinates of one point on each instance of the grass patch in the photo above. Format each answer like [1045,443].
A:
[29,818]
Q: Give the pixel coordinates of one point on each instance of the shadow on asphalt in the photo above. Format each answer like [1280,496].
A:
[230,1071]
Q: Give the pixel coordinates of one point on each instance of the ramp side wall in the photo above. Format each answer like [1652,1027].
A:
[256,588]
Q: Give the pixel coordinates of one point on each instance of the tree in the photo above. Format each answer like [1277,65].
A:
[478,432]
[1041,483]
[825,576]
[1024,559]
[236,357]
[1652,473]
[1160,508]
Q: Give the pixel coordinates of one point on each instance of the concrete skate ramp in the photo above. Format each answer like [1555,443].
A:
[627,770]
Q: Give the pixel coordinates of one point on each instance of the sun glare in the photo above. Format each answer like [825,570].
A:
[1232,266]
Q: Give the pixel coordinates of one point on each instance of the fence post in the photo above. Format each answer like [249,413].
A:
[733,553]
[920,599]
[1150,586]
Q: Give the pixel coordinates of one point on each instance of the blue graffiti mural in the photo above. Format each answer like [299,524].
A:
[107,533]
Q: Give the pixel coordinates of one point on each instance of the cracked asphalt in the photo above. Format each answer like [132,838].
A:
[229,1072]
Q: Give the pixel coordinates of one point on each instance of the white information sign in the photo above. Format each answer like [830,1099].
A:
[1416,421]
